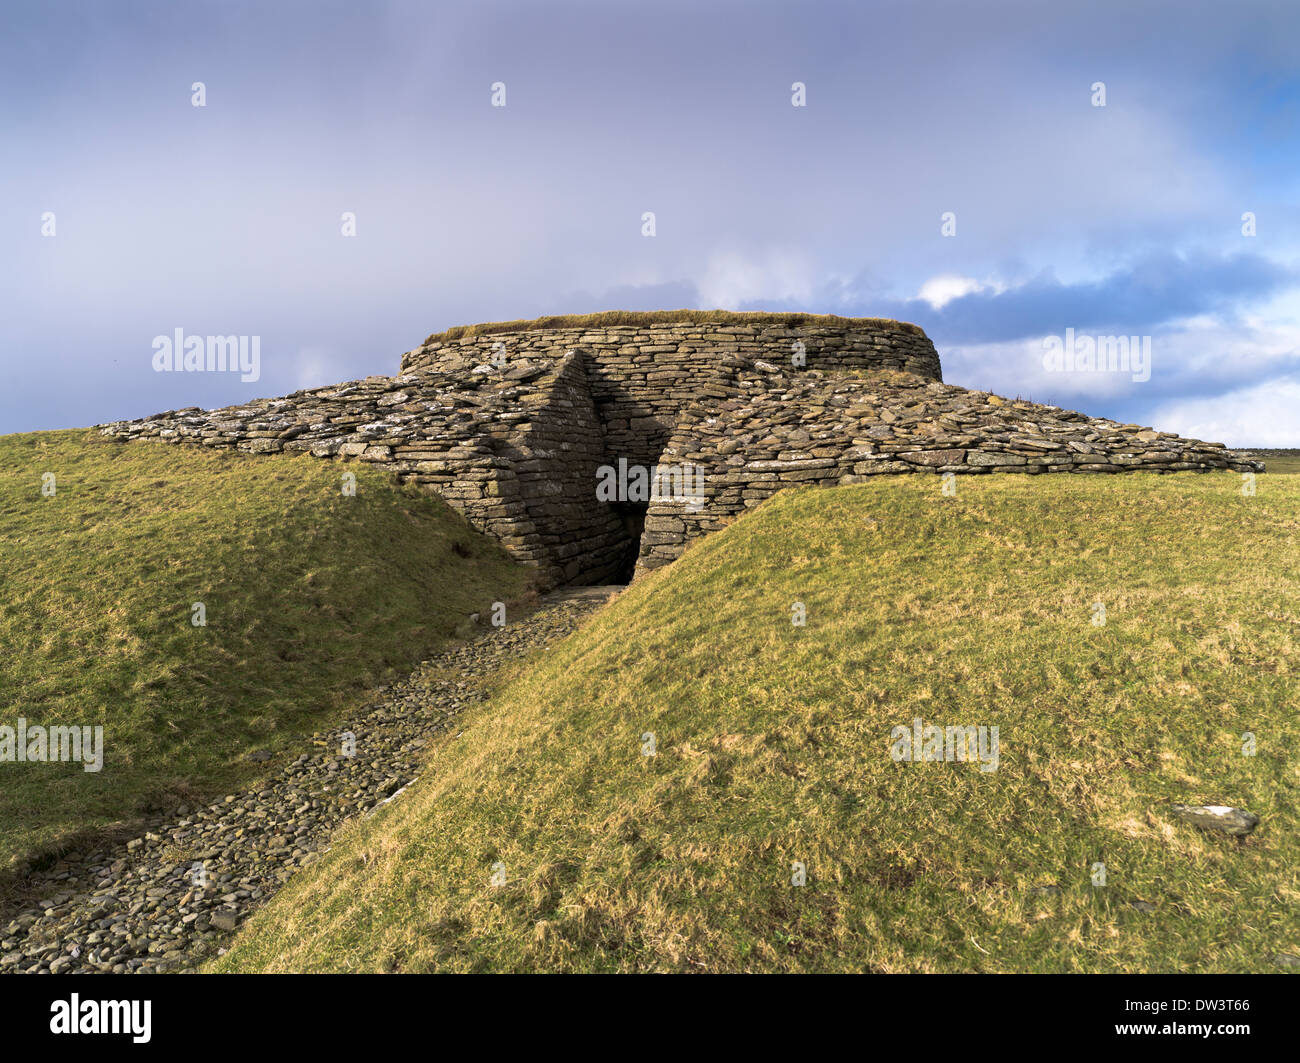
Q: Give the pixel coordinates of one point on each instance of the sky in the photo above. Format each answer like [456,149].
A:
[950,165]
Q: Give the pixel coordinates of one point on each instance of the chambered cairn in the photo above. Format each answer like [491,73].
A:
[540,432]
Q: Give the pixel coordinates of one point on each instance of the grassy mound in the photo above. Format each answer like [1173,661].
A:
[609,318]
[310,597]
[774,747]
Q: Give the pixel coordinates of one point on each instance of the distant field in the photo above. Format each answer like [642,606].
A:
[310,598]
[773,749]
[1279,461]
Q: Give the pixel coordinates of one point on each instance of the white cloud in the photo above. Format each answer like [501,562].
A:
[1195,365]
[1017,369]
[732,279]
[946,287]
[1263,415]
[1211,350]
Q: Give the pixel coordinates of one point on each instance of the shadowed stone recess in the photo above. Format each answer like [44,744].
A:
[512,428]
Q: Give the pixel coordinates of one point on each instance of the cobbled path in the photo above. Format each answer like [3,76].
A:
[142,906]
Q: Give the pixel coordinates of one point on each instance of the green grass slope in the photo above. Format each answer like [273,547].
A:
[773,747]
[310,597]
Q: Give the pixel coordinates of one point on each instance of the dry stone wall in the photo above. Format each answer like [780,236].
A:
[513,429]
[641,376]
[783,430]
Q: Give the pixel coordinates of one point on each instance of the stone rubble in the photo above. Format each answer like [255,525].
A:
[135,908]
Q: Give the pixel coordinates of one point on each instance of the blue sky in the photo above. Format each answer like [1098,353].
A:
[226,219]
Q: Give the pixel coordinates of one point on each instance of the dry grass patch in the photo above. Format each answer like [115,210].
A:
[643,318]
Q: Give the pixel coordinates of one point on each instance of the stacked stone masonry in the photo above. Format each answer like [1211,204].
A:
[512,429]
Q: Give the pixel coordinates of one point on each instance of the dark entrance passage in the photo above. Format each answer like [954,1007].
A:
[632,514]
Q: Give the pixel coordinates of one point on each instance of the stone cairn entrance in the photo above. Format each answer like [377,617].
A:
[515,425]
